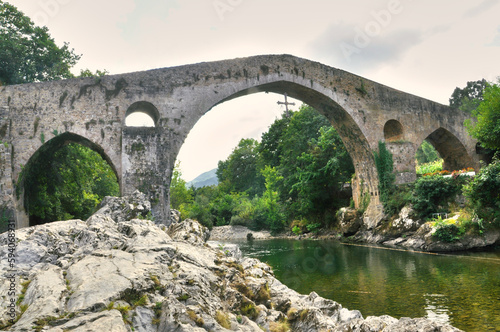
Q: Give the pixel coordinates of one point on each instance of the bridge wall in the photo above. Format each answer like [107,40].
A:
[363,112]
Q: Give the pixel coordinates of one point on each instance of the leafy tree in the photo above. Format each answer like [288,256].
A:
[324,168]
[303,126]
[28,53]
[487,127]
[240,171]
[66,183]
[468,98]
[426,153]
[180,196]
[271,145]
[275,218]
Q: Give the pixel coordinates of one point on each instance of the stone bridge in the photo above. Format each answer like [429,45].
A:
[91,111]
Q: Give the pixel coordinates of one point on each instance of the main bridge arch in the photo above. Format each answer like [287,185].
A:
[352,135]
[177,97]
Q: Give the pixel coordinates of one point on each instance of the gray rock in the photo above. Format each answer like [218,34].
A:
[349,221]
[111,273]
[111,321]
[190,231]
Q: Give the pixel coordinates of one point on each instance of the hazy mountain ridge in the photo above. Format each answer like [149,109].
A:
[205,179]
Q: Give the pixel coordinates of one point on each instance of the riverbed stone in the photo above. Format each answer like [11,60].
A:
[109,274]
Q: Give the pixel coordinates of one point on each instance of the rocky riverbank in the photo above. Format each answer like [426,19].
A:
[224,233]
[119,272]
[409,232]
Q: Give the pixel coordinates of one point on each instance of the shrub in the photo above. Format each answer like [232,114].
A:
[447,232]
[433,193]
[483,192]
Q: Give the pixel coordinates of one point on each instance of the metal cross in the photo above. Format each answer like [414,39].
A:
[286,103]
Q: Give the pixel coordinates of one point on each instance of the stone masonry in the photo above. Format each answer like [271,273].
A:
[92,111]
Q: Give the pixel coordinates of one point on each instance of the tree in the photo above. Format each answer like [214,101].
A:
[240,171]
[271,145]
[180,196]
[487,127]
[426,153]
[28,53]
[468,98]
[323,170]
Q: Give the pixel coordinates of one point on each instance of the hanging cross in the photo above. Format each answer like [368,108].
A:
[286,103]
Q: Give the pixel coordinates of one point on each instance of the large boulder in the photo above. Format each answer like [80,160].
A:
[349,221]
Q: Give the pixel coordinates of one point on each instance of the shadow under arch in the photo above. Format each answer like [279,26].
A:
[366,181]
[49,148]
[449,147]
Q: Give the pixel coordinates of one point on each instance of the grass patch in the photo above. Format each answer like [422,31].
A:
[195,318]
[249,309]
[223,319]
[281,326]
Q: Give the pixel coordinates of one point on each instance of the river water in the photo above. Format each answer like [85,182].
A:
[461,289]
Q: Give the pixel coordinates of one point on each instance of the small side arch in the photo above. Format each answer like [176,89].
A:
[45,151]
[393,131]
[144,108]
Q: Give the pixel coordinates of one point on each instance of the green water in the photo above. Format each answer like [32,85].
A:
[461,289]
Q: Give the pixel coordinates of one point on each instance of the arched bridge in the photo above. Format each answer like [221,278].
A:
[92,111]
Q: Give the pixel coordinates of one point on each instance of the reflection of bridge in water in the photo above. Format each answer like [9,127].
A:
[92,111]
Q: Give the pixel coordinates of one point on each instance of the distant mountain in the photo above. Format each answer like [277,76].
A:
[206,179]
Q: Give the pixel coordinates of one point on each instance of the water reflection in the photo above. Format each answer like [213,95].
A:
[436,307]
[461,290]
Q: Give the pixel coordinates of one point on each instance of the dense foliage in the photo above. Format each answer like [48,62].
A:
[66,183]
[297,172]
[487,127]
[483,193]
[28,53]
[433,193]
[468,98]
[426,153]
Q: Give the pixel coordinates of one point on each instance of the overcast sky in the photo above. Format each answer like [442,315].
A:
[425,47]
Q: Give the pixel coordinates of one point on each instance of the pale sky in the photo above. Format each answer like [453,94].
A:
[425,47]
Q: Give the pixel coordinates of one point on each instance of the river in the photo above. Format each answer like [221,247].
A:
[461,289]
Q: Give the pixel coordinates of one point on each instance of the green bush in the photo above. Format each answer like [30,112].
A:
[483,193]
[400,196]
[447,232]
[296,230]
[432,194]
